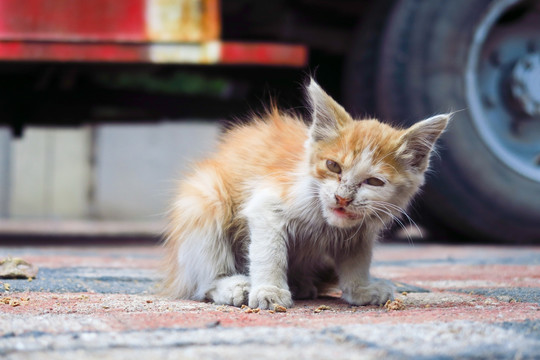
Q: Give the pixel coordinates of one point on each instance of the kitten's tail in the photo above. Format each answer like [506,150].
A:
[196,249]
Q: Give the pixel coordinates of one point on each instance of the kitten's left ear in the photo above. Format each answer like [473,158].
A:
[328,115]
[419,139]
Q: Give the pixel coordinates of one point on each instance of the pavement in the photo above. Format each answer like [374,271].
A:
[100,302]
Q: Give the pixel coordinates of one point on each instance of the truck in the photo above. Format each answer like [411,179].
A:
[68,62]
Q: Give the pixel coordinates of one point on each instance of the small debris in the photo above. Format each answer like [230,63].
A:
[223,308]
[149,301]
[7,286]
[271,311]
[404,293]
[279,308]
[322,308]
[14,302]
[249,310]
[504,298]
[394,305]
[106,307]
[16,268]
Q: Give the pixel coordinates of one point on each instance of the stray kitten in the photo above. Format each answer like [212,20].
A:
[282,203]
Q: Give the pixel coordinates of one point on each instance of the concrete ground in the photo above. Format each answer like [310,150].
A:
[455,302]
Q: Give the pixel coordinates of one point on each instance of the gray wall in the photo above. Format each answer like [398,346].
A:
[109,172]
[4,171]
[138,165]
[50,173]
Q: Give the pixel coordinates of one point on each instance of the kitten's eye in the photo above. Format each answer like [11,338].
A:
[333,166]
[374,182]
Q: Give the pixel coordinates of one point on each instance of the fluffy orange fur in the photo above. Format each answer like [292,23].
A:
[270,147]
[209,226]
[219,185]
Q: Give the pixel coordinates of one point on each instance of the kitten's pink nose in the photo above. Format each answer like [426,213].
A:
[342,201]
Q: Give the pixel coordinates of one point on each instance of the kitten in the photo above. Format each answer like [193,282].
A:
[282,203]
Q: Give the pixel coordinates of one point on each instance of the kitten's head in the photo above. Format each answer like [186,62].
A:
[365,169]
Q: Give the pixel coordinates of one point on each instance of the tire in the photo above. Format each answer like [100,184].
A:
[361,64]
[427,66]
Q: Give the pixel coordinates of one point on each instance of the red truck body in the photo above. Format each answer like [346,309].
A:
[130,31]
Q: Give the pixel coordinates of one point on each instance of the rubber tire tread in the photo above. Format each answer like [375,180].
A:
[361,62]
[421,72]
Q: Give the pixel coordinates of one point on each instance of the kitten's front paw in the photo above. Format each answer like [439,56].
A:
[376,293]
[264,297]
[232,290]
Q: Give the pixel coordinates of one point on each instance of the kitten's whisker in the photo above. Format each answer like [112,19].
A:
[357,230]
[389,213]
[411,221]
[402,211]
[396,208]
[374,211]
[398,221]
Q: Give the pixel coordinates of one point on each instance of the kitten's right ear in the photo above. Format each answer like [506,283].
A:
[327,115]
[419,139]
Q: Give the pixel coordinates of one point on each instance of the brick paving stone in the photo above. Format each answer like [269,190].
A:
[101,302]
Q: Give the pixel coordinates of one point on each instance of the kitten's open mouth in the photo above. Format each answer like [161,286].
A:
[343,213]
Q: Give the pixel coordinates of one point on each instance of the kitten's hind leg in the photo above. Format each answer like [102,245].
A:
[230,290]
[198,250]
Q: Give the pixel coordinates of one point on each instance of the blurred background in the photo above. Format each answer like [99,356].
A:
[105,103]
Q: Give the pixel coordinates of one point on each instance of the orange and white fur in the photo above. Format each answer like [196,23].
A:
[281,203]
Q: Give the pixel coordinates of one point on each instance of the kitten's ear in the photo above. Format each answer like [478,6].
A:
[328,116]
[419,139]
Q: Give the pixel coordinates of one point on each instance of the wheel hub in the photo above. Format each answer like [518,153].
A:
[525,83]
[503,84]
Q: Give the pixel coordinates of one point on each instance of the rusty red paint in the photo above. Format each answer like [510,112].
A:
[106,20]
[119,31]
[264,54]
[73,52]
[73,20]
[231,54]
